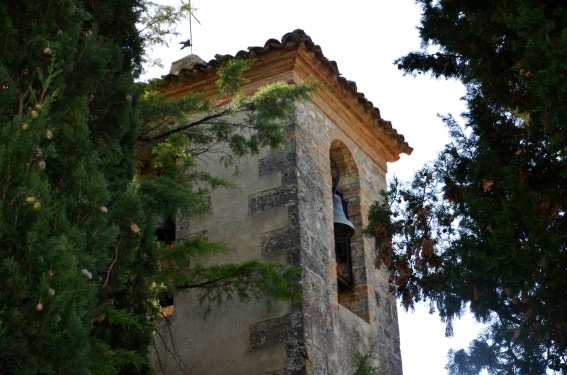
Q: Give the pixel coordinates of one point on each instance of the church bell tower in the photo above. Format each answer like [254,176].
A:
[305,205]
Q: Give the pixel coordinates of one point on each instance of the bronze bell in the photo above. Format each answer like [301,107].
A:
[343,227]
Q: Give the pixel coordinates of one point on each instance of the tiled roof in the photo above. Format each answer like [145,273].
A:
[192,65]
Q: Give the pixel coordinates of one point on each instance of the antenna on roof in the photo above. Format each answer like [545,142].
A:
[189,42]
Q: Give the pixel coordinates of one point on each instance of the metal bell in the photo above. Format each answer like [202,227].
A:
[343,227]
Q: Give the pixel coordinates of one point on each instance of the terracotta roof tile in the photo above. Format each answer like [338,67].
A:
[190,65]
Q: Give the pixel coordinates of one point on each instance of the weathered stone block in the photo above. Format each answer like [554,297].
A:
[277,162]
[269,332]
[261,202]
[281,243]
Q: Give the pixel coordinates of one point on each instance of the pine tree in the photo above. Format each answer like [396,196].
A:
[484,225]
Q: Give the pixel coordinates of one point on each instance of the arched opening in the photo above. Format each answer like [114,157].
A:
[349,254]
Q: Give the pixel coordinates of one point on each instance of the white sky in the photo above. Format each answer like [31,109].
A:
[364,37]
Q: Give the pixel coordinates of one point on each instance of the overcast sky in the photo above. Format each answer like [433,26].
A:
[364,37]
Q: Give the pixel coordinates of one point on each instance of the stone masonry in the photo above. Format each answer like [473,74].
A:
[282,211]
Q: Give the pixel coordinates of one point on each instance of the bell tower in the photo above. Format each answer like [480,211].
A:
[304,205]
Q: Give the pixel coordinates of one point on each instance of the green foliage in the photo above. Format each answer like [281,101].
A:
[231,76]
[158,24]
[249,280]
[63,82]
[180,270]
[176,260]
[363,363]
[484,226]
[245,125]
[89,159]
[120,359]
[270,105]
[175,134]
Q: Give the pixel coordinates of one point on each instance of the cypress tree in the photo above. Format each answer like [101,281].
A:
[67,71]
[81,271]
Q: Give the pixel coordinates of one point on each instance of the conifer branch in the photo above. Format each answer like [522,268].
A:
[113,263]
[182,128]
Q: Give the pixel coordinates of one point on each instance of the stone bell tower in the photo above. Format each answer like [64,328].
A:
[282,211]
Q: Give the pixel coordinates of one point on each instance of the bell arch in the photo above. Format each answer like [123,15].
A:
[351,280]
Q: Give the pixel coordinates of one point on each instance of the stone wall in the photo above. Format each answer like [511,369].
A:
[341,325]
[282,211]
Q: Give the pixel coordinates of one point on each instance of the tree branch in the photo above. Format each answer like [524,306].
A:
[113,263]
[215,283]
[160,136]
